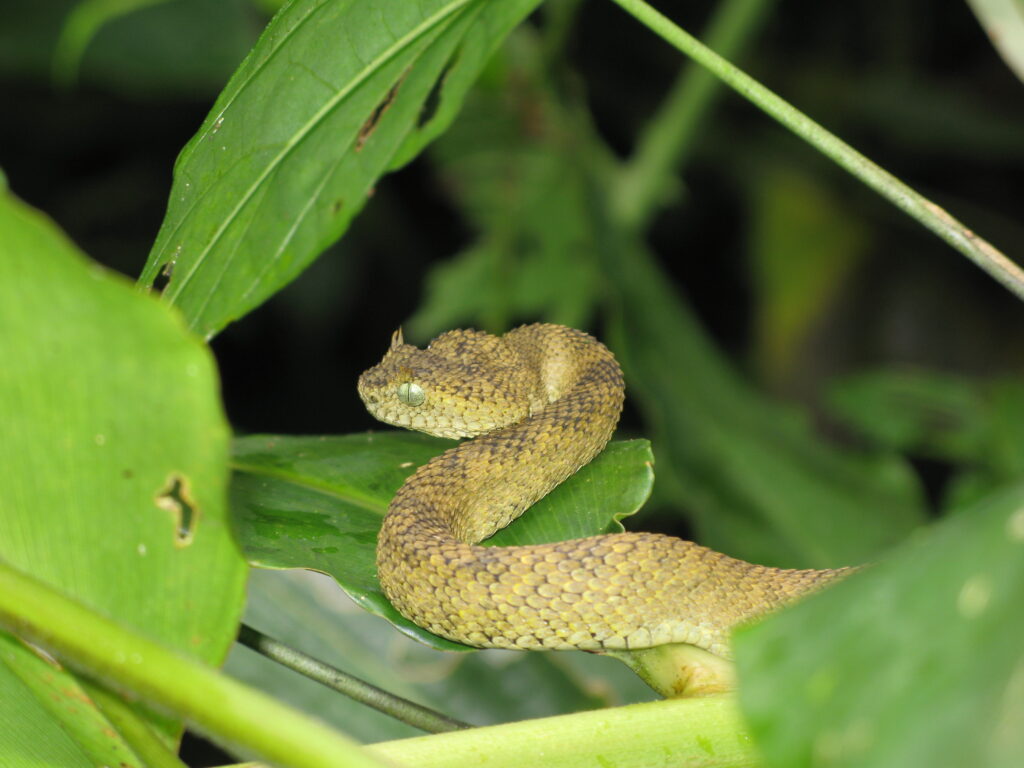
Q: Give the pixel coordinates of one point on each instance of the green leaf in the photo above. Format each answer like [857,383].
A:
[926,412]
[1003,21]
[333,95]
[113,465]
[318,502]
[309,612]
[757,480]
[30,736]
[972,423]
[918,660]
[48,698]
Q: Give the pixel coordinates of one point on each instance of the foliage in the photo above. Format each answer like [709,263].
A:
[124,553]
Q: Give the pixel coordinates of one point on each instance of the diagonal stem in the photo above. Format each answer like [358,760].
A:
[982,253]
[408,712]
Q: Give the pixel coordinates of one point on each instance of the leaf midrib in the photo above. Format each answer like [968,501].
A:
[349,496]
[389,53]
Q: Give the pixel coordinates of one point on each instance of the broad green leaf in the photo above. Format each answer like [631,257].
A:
[918,660]
[1003,21]
[334,94]
[803,246]
[309,612]
[30,684]
[113,464]
[757,480]
[318,502]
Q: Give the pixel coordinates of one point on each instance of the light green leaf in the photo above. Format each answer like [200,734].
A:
[1003,21]
[57,703]
[918,660]
[29,735]
[318,502]
[334,94]
[114,459]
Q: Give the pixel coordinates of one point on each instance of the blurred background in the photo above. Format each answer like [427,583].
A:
[802,354]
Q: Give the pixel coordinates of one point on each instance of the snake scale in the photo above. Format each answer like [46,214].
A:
[544,400]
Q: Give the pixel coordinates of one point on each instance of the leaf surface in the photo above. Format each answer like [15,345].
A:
[318,503]
[113,465]
[918,660]
[333,95]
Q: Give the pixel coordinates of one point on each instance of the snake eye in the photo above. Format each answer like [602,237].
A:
[411,394]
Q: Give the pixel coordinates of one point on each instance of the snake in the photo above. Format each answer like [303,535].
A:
[540,402]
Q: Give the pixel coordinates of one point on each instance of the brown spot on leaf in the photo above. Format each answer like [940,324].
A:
[378,112]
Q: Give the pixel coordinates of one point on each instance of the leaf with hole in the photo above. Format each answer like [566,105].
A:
[331,97]
[113,434]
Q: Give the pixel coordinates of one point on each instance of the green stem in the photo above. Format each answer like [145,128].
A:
[669,134]
[133,728]
[232,713]
[706,731]
[903,197]
[408,712]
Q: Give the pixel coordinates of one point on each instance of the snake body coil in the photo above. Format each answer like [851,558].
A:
[544,400]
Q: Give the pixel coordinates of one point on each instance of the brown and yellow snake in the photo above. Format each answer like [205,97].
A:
[544,400]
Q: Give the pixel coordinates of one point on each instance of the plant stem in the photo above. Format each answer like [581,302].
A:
[903,197]
[705,731]
[232,713]
[133,728]
[408,712]
[669,134]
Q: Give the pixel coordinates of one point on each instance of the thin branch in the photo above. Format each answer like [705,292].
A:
[903,197]
[408,712]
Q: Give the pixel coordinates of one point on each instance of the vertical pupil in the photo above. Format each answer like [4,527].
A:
[410,394]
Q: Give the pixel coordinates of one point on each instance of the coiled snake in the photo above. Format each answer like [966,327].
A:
[544,400]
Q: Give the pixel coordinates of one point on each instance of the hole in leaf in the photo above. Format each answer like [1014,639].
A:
[176,498]
[163,278]
[371,122]
[433,100]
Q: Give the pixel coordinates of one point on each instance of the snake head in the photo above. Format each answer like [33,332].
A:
[465,383]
